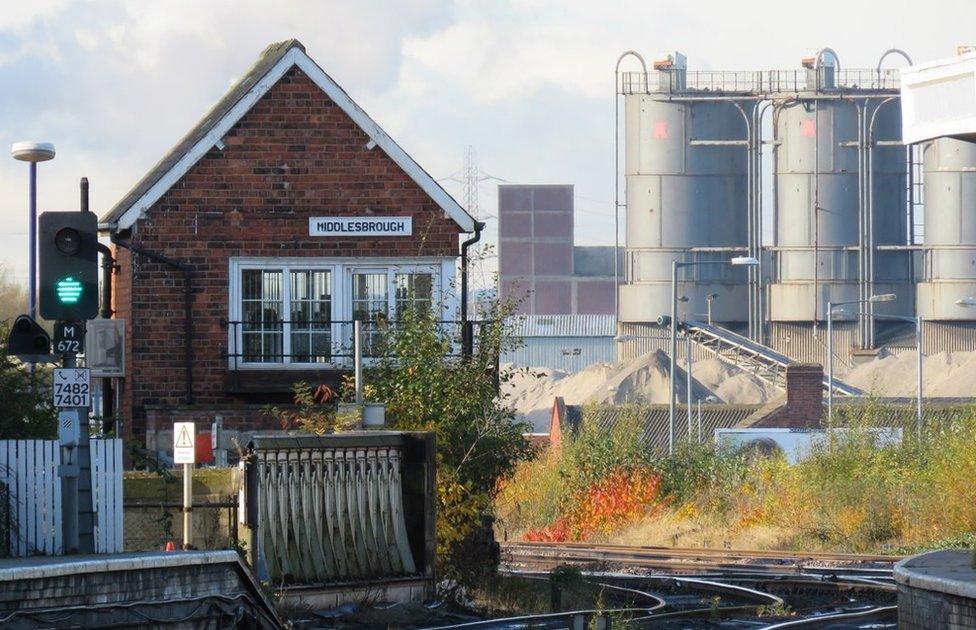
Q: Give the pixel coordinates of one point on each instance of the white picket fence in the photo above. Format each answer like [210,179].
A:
[30,512]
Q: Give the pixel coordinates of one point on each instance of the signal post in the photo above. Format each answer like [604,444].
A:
[68,257]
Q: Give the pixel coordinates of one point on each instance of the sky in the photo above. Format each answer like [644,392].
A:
[528,84]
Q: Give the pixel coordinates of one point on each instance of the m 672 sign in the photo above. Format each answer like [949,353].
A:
[69,338]
[72,387]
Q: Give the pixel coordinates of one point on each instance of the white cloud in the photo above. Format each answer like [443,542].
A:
[529,82]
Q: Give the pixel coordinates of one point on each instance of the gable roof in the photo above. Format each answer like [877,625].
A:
[274,62]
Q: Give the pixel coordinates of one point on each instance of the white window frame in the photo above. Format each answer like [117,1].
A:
[341,272]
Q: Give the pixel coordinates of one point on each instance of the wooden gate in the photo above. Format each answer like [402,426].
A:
[30,497]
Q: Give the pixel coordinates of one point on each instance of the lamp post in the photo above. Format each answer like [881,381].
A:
[708,300]
[884,297]
[747,261]
[32,152]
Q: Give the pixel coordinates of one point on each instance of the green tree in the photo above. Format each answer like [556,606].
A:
[13,296]
[427,387]
[25,405]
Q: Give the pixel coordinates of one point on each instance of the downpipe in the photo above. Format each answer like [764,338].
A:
[187,272]
[467,334]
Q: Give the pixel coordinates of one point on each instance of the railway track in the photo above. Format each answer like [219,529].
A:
[545,556]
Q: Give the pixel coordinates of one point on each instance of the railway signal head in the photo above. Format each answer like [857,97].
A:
[28,341]
[68,265]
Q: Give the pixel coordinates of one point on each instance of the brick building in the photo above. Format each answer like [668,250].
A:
[246,252]
[539,264]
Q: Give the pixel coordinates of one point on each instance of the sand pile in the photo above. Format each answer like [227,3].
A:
[946,374]
[644,379]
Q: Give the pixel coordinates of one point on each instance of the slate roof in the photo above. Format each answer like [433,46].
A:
[267,60]
[224,110]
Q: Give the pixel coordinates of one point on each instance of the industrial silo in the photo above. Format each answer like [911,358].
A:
[686,196]
[950,243]
[821,206]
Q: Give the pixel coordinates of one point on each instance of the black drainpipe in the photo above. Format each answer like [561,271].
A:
[187,272]
[104,312]
[467,333]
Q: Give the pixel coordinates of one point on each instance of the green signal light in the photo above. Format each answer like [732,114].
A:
[69,290]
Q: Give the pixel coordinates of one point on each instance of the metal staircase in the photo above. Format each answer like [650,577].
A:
[749,355]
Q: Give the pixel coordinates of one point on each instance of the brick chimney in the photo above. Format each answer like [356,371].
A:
[804,395]
[803,407]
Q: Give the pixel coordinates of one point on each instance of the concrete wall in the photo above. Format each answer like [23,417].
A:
[937,590]
[133,590]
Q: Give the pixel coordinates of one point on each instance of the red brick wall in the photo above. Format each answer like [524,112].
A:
[293,156]
[804,399]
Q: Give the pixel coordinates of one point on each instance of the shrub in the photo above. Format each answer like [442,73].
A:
[427,387]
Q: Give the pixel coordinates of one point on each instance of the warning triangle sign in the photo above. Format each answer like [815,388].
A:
[184,440]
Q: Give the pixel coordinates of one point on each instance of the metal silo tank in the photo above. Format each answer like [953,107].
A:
[950,229]
[683,195]
[816,254]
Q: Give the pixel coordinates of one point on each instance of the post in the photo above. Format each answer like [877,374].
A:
[688,360]
[77,506]
[187,503]
[32,244]
[708,302]
[830,364]
[918,405]
[674,350]
[699,422]
[357,333]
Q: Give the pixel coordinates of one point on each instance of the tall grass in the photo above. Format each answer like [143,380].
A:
[853,493]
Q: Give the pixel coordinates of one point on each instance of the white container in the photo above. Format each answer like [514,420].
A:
[374,414]
[939,99]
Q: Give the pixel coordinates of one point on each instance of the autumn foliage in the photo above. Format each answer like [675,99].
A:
[614,501]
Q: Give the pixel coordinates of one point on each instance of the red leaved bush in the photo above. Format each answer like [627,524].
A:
[621,496]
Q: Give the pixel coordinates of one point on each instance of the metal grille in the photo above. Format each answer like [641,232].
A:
[336,508]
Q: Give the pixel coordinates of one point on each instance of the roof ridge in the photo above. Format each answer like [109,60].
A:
[234,104]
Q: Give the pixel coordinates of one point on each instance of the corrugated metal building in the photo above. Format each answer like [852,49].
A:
[562,342]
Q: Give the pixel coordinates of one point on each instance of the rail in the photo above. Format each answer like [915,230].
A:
[758,82]
[327,344]
[740,351]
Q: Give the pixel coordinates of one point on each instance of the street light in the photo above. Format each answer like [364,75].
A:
[737,261]
[884,297]
[708,300]
[32,152]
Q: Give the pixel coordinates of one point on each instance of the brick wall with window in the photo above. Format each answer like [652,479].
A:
[240,218]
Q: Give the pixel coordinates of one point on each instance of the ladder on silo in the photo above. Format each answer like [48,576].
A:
[749,355]
[916,195]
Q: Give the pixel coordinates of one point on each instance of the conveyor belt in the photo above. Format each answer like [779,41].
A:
[747,354]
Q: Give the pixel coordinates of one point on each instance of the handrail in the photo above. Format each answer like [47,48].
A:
[339,352]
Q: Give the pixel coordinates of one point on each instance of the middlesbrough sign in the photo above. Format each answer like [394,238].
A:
[360,226]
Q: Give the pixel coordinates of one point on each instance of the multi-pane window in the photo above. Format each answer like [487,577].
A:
[311,316]
[261,325]
[414,291]
[304,314]
[370,305]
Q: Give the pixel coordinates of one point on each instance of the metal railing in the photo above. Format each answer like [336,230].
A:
[324,343]
[759,82]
